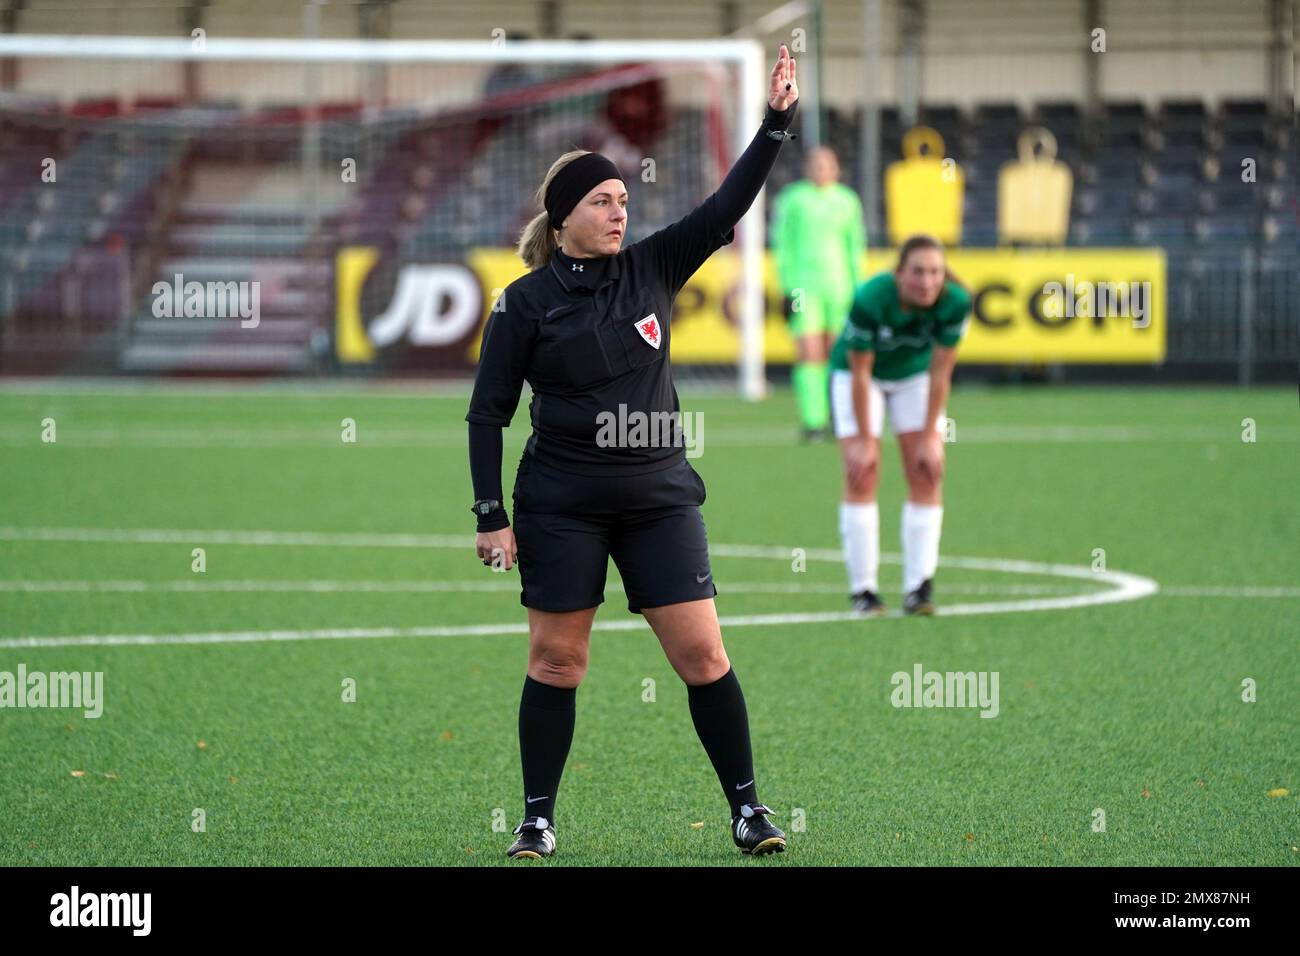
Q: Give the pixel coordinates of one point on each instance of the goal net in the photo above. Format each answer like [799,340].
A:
[264,206]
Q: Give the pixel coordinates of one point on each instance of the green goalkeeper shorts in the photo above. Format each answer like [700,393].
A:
[811,311]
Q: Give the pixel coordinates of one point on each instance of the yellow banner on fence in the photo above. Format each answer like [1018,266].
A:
[1069,305]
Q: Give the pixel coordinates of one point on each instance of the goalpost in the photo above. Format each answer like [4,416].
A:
[221,157]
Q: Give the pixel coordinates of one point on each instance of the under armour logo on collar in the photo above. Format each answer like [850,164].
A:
[576,267]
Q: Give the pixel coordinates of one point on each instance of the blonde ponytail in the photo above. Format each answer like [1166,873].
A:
[538,241]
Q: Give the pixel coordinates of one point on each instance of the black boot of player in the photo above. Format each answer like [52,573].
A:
[919,602]
[536,839]
[754,833]
[868,601]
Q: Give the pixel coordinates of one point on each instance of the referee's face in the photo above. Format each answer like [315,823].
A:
[598,223]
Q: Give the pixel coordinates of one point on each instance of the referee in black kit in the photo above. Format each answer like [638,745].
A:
[589,329]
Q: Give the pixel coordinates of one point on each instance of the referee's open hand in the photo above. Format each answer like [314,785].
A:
[782,90]
[497,548]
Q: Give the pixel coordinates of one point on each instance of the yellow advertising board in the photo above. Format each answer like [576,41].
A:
[924,190]
[1068,305]
[1034,192]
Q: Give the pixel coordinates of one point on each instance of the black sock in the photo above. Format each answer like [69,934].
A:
[718,710]
[546,716]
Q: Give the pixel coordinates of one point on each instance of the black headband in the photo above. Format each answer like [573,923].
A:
[574,181]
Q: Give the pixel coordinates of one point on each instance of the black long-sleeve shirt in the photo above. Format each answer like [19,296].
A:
[594,344]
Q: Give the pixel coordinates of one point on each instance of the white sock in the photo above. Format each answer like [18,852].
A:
[920,534]
[860,535]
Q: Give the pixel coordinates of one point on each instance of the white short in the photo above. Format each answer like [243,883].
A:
[908,399]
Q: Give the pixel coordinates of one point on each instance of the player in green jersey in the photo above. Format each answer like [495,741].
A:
[818,240]
[897,352]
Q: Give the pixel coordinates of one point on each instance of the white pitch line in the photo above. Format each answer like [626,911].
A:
[253,637]
[480,630]
[266,538]
[278,389]
[1218,591]
[275,587]
[508,586]
[251,538]
[1122,586]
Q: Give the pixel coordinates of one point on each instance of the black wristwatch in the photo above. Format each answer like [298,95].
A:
[486,506]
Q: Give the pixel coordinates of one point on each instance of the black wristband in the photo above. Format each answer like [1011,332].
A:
[494,522]
[779,120]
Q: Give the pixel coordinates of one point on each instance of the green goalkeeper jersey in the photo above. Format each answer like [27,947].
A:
[902,339]
[818,237]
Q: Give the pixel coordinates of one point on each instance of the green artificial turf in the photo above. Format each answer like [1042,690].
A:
[1134,707]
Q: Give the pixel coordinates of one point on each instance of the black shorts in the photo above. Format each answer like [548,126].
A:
[568,526]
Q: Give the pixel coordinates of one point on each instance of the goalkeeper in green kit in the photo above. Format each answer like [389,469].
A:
[818,240]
